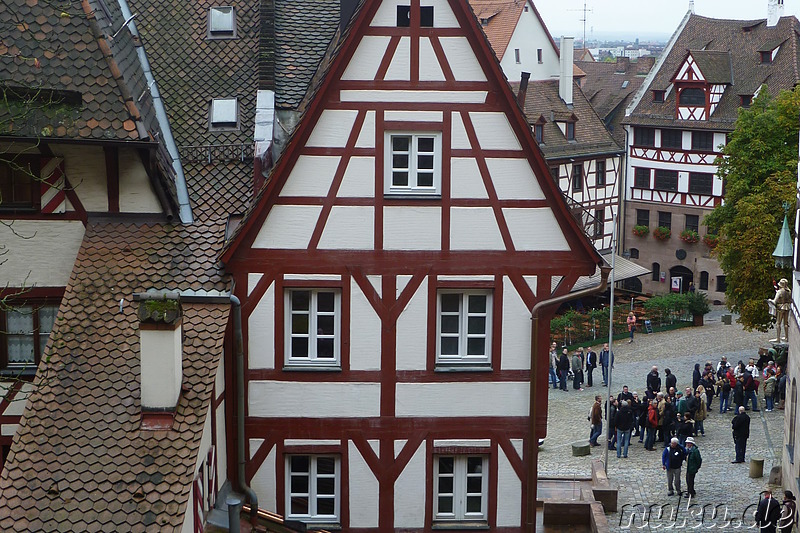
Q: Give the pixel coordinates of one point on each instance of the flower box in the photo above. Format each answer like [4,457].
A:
[661,233]
[641,230]
[689,236]
[711,240]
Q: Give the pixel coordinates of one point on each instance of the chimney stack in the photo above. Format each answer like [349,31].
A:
[523,89]
[161,350]
[774,12]
[565,80]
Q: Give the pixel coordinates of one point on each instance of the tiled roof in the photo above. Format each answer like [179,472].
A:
[591,136]
[191,69]
[57,51]
[743,39]
[303,32]
[606,88]
[499,19]
[715,65]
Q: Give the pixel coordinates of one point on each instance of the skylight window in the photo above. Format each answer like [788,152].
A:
[222,22]
[224,113]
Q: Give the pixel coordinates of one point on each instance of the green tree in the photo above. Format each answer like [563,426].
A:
[759,166]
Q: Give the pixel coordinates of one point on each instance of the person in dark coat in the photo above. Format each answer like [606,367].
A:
[738,393]
[563,369]
[653,381]
[788,513]
[696,376]
[741,432]
[707,381]
[670,380]
[591,364]
[636,408]
[768,513]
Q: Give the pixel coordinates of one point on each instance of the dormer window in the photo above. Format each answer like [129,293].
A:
[692,96]
[746,100]
[570,133]
[538,133]
[766,58]
[222,22]
[224,114]
[425,17]
[658,96]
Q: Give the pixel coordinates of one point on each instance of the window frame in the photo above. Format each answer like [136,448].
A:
[722,284]
[638,177]
[538,54]
[517,58]
[670,135]
[569,130]
[538,133]
[600,173]
[665,219]
[689,100]
[703,284]
[313,517]
[703,141]
[221,125]
[692,223]
[599,223]
[577,177]
[35,304]
[664,179]
[698,185]
[655,274]
[463,359]
[658,96]
[644,136]
[213,34]
[640,218]
[412,190]
[29,166]
[313,360]
[460,489]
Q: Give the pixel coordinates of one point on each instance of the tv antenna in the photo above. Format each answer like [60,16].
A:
[585,12]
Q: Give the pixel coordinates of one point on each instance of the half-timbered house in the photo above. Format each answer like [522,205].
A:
[387,272]
[677,125]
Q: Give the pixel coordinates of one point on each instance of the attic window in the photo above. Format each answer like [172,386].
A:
[625,84]
[525,9]
[221,22]
[538,133]
[539,55]
[224,113]
[403,16]
[658,96]
[746,100]
[426,16]
[516,56]
[692,96]
[766,58]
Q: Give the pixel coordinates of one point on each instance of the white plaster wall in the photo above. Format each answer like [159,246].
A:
[333,128]
[447,399]
[222,446]
[400,67]
[188,517]
[17,406]
[516,330]
[509,493]
[39,253]
[474,228]
[288,226]
[494,131]
[219,379]
[366,138]
[409,493]
[386,16]
[349,228]
[412,228]
[261,332]
[443,16]
[252,280]
[414,116]
[161,367]
[86,170]
[359,178]
[365,332]
[363,491]
[412,331]
[429,68]
[418,97]
[205,444]
[462,59]
[136,194]
[312,175]
[366,60]
[528,36]
[8,430]
[535,229]
[514,179]
[465,179]
[458,136]
[322,400]
[265,479]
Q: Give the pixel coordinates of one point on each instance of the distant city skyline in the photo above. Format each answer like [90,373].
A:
[631,19]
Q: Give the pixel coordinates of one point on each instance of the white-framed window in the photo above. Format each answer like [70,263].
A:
[221,22]
[460,487]
[413,163]
[24,330]
[313,488]
[313,324]
[464,327]
[224,113]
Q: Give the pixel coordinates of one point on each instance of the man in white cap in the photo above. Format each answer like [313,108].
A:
[693,463]
[671,461]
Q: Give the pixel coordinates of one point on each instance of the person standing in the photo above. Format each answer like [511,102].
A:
[693,463]
[576,371]
[596,420]
[612,423]
[769,390]
[651,425]
[696,376]
[750,389]
[738,393]
[724,388]
[563,369]
[653,381]
[701,413]
[671,460]
[741,432]
[606,360]
[768,513]
[788,513]
[591,364]
[670,380]
[553,364]
[624,424]
[631,320]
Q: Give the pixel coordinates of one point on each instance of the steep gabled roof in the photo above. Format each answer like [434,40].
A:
[715,65]
[743,40]
[339,53]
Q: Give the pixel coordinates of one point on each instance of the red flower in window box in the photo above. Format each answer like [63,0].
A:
[689,236]
[662,233]
[640,230]
[711,240]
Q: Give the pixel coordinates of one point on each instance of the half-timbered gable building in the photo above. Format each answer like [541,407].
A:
[387,272]
[677,125]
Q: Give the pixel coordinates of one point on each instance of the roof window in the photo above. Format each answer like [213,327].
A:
[221,22]
[224,113]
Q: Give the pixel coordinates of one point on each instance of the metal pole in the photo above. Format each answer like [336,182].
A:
[610,336]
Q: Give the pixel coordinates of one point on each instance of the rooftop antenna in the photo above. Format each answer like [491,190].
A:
[585,12]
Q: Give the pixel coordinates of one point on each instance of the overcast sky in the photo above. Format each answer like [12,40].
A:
[642,18]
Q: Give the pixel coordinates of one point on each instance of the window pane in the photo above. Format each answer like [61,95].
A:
[47,318]
[298,463]
[449,346]
[446,465]
[400,179]
[477,304]
[451,303]
[426,16]
[446,504]
[424,179]
[326,506]
[299,347]
[403,16]
[20,320]
[299,505]
[326,302]
[300,324]
[299,485]
[425,162]
[476,346]
[474,485]
[474,504]
[401,143]
[425,144]
[477,325]
[300,300]
[326,485]
[20,349]
[450,324]
[325,325]
[445,485]
[222,19]
[325,348]
[474,465]
[326,465]
[400,161]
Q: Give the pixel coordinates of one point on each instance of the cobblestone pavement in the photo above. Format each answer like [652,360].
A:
[640,477]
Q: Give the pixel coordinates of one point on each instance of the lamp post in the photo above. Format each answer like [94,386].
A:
[610,337]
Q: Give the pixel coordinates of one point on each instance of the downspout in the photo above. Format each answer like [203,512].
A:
[533,441]
[184,206]
[238,347]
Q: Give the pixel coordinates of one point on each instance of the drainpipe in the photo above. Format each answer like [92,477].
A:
[238,347]
[533,444]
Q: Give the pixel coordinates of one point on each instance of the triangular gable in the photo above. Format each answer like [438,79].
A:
[323,192]
[689,71]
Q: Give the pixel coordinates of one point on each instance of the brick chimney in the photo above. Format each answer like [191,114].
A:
[161,350]
[774,11]
[567,52]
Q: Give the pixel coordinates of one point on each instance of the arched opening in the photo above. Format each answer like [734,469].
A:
[704,280]
[632,284]
[634,253]
[684,274]
[656,268]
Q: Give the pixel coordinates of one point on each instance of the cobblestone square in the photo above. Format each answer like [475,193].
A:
[640,477]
